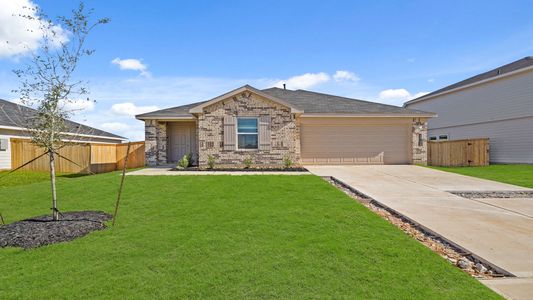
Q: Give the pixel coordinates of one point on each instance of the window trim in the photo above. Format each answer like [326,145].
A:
[248,133]
[444,139]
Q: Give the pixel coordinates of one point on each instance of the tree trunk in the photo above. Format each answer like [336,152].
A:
[55,212]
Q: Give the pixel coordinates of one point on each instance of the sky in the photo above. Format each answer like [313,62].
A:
[159,54]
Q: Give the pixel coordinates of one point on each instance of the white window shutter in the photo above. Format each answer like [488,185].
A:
[230,132]
[264,132]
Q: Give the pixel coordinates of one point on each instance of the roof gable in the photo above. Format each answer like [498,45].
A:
[199,108]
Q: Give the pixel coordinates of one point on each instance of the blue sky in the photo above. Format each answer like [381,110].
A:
[168,53]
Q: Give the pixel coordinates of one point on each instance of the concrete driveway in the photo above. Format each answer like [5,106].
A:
[498,230]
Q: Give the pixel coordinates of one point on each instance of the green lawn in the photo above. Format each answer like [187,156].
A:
[25,177]
[521,175]
[223,237]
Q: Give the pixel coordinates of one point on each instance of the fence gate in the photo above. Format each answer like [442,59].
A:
[459,153]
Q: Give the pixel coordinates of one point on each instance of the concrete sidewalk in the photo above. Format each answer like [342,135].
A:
[499,230]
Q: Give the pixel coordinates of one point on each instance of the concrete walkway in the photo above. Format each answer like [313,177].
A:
[169,172]
[499,230]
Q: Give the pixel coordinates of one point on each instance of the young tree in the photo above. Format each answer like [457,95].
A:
[48,83]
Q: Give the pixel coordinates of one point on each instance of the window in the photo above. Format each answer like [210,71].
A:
[3,144]
[432,138]
[443,137]
[247,133]
[420,140]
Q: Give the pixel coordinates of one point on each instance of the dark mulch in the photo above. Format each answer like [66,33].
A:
[39,231]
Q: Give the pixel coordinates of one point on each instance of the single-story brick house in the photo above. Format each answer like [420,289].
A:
[274,124]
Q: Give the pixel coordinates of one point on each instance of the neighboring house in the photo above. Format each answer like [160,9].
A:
[497,104]
[274,124]
[13,116]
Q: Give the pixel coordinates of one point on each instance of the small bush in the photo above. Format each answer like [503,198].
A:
[287,161]
[247,162]
[184,162]
[210,161]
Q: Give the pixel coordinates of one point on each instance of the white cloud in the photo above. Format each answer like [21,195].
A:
[419,94]
[304,81]
[394,94]
[115,126]
[130,109]
[398,96]
[131,64]
[431,80]
[345,76]
[21,35]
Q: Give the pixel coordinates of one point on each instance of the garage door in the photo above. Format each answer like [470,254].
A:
[355,141]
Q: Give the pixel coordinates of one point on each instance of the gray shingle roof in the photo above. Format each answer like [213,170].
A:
[511,67]
[173,112]
[12,114]
[309,102]
[312,102]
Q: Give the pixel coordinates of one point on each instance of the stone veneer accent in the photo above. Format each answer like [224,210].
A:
[155,135]
[420,153]
[284,132]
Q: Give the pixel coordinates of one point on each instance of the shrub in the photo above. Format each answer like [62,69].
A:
[287,161]
[210,161]
[184,162]
[247,162]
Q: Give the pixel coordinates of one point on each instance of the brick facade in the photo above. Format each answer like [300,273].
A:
[419,151]
[284,132]
[155,136]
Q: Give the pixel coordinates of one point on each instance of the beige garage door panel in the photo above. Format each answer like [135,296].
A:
[355,144]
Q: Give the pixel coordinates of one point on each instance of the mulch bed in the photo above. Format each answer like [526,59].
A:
[42,230]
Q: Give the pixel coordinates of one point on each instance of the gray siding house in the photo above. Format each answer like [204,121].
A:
[497,104]
[12,116]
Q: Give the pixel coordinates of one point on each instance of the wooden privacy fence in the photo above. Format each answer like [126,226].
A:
[459,153]
[96,158]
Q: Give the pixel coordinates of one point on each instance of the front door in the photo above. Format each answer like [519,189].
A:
[179,142]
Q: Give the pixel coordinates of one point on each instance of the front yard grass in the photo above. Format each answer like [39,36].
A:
[24,177]
[521,175]
[223,237]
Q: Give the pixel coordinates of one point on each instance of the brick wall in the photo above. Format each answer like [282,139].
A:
[285,136]
[419,152]
[155,136]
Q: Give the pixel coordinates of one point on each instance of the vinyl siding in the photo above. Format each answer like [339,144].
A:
[511,141]
[501,110]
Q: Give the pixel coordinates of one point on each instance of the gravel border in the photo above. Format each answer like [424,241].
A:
[493,194]
[455,255]
[42,230]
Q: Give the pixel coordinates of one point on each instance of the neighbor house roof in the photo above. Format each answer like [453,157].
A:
[300,101]
[505,70]
[12,116]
